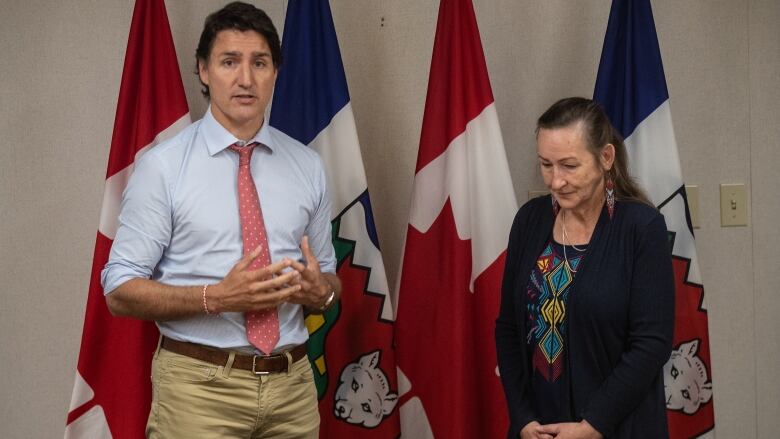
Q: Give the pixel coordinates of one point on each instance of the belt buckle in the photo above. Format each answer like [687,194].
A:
[254,363]
[265,372]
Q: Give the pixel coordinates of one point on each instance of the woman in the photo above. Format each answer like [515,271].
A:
[587,309]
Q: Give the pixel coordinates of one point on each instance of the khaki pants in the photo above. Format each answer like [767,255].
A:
[196,399]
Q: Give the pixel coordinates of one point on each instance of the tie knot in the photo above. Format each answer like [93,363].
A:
[244,152]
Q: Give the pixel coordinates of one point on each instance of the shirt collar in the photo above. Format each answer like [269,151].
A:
[218,138]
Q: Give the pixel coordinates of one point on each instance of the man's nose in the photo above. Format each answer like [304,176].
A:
[245,75]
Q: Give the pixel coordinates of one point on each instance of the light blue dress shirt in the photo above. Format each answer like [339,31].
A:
[179,222]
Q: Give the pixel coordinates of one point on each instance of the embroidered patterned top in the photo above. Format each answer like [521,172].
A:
[548,290]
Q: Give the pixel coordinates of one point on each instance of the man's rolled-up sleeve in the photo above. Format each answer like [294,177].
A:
[144,226]
[319,229]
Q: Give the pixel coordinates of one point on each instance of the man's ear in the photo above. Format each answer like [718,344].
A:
[203,72]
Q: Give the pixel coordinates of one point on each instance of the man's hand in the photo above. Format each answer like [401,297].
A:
[251,290]
[314,285]
[571,430]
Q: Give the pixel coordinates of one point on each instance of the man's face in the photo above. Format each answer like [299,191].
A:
[240,75]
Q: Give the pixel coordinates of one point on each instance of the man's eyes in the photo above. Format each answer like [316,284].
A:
[256,64]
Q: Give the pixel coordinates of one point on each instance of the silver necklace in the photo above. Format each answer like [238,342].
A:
[566,240]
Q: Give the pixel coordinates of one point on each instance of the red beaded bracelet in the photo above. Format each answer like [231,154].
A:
[205,306]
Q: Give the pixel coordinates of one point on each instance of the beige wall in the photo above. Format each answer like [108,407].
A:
[61,66]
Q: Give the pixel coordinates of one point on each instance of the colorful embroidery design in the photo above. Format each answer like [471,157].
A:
[548,292]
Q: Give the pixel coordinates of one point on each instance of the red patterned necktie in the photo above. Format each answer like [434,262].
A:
[262,327]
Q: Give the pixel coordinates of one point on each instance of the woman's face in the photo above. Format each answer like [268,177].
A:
[574,176]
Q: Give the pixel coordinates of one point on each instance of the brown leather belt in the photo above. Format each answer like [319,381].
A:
[258,364]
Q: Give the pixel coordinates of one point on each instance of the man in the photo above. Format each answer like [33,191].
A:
[224,238]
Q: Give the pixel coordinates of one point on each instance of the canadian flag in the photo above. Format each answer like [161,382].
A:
[462,208]
[112,392]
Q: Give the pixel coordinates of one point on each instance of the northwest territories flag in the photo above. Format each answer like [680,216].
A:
[462,208]
[632,88]
[350,345]
[112,393]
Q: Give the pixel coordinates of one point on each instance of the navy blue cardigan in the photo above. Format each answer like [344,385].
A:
[620,317]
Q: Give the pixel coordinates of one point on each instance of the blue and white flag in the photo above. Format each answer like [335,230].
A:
[632,89]
[352,342]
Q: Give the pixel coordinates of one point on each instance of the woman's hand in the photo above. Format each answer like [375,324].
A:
[532,430]
[570,430]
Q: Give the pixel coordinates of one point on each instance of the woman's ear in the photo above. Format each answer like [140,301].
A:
[607,156]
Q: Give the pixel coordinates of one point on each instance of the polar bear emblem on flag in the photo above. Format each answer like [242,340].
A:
[686,384]
[364,396]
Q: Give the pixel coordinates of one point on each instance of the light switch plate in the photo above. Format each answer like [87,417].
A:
[733,205]
[692,194]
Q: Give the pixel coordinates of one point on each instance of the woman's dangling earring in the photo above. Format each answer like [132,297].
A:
[555,206]
[610,188]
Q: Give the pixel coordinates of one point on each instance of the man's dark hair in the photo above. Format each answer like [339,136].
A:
[242,17]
